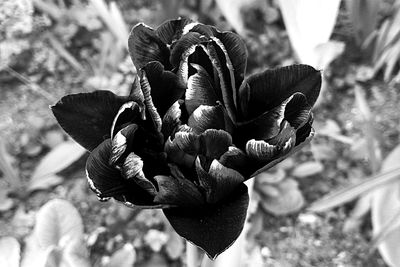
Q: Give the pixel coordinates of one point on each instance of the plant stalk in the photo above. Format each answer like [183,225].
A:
[192,255]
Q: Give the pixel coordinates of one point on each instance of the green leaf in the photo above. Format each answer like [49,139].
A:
[345,195]
[385,208]
[59,158]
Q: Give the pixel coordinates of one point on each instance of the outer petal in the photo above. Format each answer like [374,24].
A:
[223,221]
[266,90]
[172,30]
[165,86]
[145,46]
[306,138]
[108,182]
[87,117]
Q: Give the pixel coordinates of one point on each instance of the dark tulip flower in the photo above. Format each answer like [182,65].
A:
[193,128]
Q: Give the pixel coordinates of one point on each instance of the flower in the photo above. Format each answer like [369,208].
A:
[192,129]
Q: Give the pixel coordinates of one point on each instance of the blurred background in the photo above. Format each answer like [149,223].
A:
[335,203]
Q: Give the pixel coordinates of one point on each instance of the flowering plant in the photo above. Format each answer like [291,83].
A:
[192,129]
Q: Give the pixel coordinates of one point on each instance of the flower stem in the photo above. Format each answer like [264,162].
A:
[192,255]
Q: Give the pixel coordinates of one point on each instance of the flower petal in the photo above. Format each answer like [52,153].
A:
[214,143]
[200,90]
[136,95]
[205,30]
[127,113]
[219,181]
[305,131]
[177,190]
[306,139]
[223,221]
[236,159]
[177,155]
[183,149]
[145,46]
[266,90]
[150,108]
[121,141]
[185,44]
[224,69]
[133,169]
[171,120]
[87,117]
[172,30]
[297,110]
[165,86]
[107,181]
[263,127]
[236,52]
[207,117]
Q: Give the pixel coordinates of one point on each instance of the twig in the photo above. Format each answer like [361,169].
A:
[33,86]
